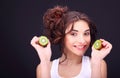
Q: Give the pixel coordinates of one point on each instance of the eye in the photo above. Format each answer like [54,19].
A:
[73,33]
[87,33]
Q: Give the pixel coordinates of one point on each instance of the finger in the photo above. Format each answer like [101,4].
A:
[104,43]
[102,39]
[107,47]
[34,40]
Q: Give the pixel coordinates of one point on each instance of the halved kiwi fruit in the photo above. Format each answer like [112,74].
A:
[97,44]
[43,41]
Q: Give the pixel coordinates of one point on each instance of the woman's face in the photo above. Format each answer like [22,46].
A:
[78,39]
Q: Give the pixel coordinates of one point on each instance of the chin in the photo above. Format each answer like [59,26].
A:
[80,52]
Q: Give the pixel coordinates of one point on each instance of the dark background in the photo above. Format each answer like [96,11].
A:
[22,19]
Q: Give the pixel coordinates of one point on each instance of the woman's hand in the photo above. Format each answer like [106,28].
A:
[44,53]
[103,52]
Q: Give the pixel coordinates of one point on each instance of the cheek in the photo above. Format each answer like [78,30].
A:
[68,40]
[87,40]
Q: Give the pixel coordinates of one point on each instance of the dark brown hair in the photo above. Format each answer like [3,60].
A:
[58,18]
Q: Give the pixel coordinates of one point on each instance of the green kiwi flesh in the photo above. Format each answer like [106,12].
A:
[97,44]
[43,40]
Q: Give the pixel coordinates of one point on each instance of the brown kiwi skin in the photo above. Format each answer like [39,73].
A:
[43,45]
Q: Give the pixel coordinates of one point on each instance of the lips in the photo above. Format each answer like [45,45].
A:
[80,47]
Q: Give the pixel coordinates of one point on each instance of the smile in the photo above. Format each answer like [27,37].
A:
[80,47]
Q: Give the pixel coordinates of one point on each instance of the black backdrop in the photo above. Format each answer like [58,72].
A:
[22,19]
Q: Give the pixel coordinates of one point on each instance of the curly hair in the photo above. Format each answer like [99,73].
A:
[54,23]
[57,19]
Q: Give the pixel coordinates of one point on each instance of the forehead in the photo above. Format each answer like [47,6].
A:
[80,25]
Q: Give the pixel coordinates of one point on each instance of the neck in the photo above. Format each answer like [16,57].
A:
[70,59]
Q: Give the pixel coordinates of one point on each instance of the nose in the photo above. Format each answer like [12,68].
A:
[81,39]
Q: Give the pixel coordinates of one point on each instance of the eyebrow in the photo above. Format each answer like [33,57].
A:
[77,30]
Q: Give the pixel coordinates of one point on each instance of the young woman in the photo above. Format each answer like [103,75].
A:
[75,33]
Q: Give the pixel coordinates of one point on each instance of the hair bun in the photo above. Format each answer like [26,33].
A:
[58,11]
[58,14]
[52,20]
[53,16]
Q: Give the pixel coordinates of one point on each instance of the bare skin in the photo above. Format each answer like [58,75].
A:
[76,44]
